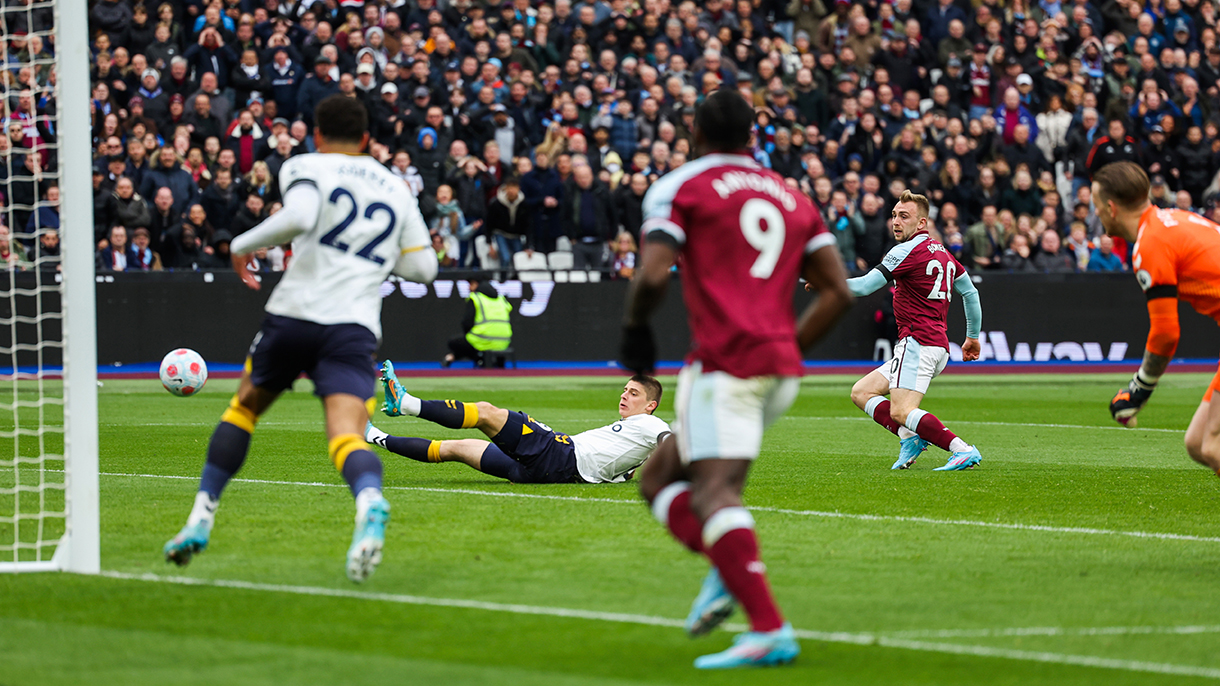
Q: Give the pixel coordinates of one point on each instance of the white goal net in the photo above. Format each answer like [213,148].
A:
[48,361]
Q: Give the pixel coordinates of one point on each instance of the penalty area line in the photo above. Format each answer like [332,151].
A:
[862,639]
[776,510]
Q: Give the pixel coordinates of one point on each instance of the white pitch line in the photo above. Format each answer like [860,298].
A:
[776,510]
[980,423]
[1059,631]
[648,620]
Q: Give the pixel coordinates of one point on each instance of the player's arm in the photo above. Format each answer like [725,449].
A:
[964,287]
[648,286]
[1163,334]
[298,215]
[417,260]
[861,286]
[823,272]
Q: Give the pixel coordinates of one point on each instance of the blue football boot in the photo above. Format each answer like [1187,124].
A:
[966,459]
[910,450]
[394,391]
[755,649]
[712,606]
[192,540]
[368,540]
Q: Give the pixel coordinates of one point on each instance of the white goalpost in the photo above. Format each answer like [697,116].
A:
[48,337]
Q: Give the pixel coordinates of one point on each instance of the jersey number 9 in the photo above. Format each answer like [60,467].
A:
[769,243]
[332,237]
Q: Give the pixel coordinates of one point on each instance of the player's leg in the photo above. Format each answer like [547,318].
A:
[1203,434]
[917,368]
[723,442]
[269,369]
[869,395]
[346,415]
[480,455]
[451,414]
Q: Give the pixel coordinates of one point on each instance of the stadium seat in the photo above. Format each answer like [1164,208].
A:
[578,277]
[595,277]
[559,260]
[529,261]
[563,244]
[560,277]
[534,275]
[483,251]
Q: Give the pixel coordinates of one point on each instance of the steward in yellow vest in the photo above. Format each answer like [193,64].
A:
[485,323]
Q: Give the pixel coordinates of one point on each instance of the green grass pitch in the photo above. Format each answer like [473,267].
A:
[1078,553]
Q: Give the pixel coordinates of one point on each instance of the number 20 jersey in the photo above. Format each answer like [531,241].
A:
[743,237]
[923,271]
[366,219]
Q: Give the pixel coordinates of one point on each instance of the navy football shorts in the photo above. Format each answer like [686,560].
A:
[547,455]
[338,358]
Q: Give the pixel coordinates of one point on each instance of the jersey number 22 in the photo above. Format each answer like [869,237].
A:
[332,237]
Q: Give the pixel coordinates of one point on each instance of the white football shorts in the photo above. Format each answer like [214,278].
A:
[914,366]
[723,417]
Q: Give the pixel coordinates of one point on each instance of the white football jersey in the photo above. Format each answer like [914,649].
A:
[610,453]
[367,219]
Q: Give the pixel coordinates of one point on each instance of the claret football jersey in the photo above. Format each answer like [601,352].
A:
[743,236]
[923,271]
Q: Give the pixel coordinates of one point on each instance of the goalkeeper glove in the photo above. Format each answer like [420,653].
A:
[638,351]
[1130,400]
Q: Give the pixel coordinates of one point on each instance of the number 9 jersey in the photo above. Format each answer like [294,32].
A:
[742,237]
[923,271]
[366,219]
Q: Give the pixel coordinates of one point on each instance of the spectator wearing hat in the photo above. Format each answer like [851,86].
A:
[506,132]
[154,99]
[1161,194]
[1157,158]
[316,87]
[285,78]
[387,118]
[367,88]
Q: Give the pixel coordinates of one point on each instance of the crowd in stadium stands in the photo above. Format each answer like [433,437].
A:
[534,127]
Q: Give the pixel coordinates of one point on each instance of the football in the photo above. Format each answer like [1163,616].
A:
[183,372]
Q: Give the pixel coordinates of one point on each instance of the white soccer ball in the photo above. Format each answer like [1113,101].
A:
[183,372]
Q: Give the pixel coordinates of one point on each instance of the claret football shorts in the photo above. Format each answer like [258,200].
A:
[721,416]
[914,366]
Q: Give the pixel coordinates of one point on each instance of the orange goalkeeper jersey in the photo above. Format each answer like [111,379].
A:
[1176,255]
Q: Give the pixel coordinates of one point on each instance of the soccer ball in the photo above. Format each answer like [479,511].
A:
[183,372]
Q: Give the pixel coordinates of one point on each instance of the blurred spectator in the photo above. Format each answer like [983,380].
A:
[629,204]
[1051,257]
[117,256]
[220,200]
[125,207]
[1104,259]
[588,218]
[1080,246]
[544,192]
[146,259]
[1016,255]
[623,264]
[46,250]
[11,251]
[167,172]
[509,222]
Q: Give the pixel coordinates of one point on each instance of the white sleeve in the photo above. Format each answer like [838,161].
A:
[658,209]
[417,264]
[298,215]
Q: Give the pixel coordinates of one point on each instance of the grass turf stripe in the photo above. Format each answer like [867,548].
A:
[829,637]
[777,510]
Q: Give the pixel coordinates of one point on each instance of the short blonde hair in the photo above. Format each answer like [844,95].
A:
[921,202]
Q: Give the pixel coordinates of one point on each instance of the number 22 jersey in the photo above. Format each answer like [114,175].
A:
[923,271]
[743,236]
[367,218]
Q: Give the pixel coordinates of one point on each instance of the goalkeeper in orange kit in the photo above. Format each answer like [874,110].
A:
[1176,256]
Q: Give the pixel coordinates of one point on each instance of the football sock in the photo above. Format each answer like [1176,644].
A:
[671,507]
[879,409]
[498,464]
[227,448]
[451,414]
[730,543]
[931,430]
[419,449]
[375,436]
[204,509]
[364,498]
[362,470]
